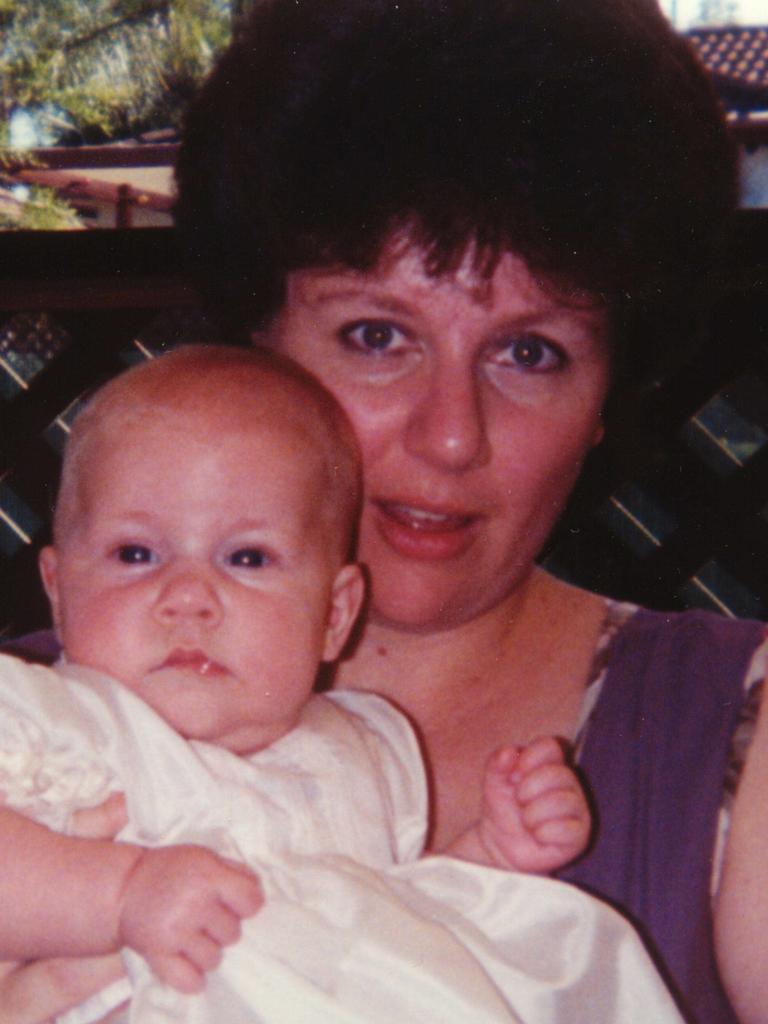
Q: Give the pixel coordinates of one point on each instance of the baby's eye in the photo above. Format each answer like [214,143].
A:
[248,558]
[531,352]
[135,554]
[373,336]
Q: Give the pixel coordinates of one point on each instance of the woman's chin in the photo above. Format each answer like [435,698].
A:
[420,612]
[418,602]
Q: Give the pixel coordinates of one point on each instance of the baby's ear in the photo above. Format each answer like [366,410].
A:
[49,566]
[346,599]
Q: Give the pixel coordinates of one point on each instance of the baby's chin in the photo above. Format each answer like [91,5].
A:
[209,708]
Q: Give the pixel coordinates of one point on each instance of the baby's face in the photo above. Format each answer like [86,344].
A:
[199,573]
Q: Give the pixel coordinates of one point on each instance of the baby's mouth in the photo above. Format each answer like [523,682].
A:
[193,660]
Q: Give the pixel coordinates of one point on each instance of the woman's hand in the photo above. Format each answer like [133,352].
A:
[35,992]
[102,822]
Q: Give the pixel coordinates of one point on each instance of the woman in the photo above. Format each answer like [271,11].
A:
[474,220]
[480,222]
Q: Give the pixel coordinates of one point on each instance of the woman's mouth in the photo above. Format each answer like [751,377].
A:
[194,661]
[421,533]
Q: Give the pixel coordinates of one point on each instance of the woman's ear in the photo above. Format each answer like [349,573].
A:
[346,599]
[49,566]
[599,433]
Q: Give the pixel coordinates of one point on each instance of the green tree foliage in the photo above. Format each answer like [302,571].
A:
[106,69]
[41,211]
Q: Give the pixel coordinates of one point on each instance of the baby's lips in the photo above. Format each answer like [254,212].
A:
[194,659]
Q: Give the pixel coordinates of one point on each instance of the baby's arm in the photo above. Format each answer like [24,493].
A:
[535,815]
[34,991]
[66,896]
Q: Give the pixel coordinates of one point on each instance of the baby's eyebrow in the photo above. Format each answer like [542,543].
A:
[249,523]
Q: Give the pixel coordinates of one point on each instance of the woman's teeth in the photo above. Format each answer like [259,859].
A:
[424,519]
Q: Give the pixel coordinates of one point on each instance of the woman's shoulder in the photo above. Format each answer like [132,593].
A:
[682,635]
[625,638]
[642,649]
[675,680]
[661,659]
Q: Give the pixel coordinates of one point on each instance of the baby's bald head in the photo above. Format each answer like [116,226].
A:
[203,392]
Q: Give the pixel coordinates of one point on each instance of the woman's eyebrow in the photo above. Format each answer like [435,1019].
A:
[326,295]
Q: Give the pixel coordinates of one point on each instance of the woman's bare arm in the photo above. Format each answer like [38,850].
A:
[741,910]
[36,991]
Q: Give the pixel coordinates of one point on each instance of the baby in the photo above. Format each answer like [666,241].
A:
[200,571]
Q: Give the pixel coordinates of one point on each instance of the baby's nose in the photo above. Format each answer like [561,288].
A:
[188,596]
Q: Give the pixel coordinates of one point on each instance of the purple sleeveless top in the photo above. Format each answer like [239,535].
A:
[655,760]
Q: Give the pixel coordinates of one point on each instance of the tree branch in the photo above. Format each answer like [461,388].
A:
[146,11]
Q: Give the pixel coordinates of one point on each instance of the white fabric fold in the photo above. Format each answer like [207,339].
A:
[355,929]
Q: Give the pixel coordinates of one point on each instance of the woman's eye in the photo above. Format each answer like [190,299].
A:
[135,554]
[248,558]
[531,353]
[372,336]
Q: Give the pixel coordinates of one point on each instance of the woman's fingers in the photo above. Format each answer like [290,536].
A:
[103,821]
[33,993]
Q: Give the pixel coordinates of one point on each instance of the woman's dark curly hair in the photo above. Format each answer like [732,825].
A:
[580,134]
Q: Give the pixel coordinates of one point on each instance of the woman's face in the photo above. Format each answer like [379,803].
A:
[475,402]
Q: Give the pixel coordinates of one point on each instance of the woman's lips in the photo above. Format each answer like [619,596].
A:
[425,534]
[193,660]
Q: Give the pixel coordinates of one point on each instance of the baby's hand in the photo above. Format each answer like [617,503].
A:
[181,905]
[535,814]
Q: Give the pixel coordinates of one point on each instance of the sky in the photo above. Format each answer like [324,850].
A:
[749,12]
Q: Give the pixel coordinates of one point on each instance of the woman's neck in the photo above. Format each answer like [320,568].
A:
[515,673]
[429,670]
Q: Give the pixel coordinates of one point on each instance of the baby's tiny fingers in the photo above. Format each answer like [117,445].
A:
[504,758]
[240,891]
[555,804]
[178,972]
[563,832]
[502,765]
[545,779]
[541,751]
[203,952]
[223,925]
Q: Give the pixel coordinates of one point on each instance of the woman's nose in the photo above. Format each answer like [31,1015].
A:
[447,425]
[188,597]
